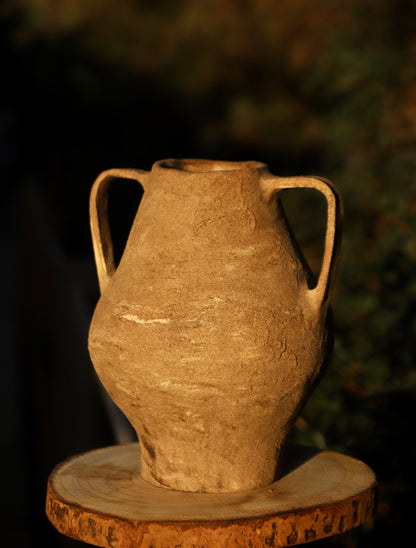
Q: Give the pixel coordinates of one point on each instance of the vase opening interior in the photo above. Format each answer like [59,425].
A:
[204,166]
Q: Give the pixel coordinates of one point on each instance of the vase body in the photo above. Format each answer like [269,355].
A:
[210,334]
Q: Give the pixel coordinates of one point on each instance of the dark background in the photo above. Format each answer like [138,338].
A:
[306,86]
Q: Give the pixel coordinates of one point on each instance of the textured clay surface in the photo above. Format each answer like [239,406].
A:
[210,335]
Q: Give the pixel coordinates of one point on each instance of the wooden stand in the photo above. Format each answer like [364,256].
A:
[99,497]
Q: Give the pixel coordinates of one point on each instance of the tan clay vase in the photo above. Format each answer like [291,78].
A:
[210,334]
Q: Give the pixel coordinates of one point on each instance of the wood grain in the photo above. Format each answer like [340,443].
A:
[99,497]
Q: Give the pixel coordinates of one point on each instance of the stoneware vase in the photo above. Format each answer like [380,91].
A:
[211,332]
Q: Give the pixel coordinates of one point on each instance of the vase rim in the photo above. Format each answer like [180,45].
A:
[199,165]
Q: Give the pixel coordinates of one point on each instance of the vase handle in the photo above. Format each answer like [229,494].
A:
[320,294]
[100,228]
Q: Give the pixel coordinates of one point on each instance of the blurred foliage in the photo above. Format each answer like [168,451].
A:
[307,86]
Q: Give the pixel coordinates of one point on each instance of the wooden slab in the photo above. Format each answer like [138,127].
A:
[99,497]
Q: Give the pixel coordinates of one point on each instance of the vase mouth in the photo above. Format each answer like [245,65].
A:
[206,166]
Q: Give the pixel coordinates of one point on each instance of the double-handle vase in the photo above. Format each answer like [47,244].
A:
[211,333]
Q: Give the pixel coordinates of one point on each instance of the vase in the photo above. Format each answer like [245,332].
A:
[211,332]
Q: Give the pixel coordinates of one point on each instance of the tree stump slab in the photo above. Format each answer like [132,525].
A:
[99,497]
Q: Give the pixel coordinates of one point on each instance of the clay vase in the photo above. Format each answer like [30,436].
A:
[211,333]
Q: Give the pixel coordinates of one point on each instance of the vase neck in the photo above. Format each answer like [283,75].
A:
[206,180]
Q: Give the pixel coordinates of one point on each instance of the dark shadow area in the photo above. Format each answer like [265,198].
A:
[296,455]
